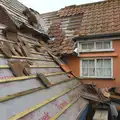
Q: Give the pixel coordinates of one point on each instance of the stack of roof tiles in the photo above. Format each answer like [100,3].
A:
[89,19]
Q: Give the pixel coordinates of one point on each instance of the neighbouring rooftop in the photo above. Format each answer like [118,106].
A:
[81,20]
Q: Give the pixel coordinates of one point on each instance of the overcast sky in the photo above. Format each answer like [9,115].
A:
[43,6]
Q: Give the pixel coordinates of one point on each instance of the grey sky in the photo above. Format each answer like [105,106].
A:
[43,6]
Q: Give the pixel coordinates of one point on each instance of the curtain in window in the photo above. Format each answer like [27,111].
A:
[91,69]
[106,45]
[99,67]
[91,45]
[96,68]
[85,68]
[107,67]
[84,46]
[99,45]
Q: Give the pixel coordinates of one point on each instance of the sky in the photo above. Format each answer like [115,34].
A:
[43,6]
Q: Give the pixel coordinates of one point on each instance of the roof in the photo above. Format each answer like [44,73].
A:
[31,80]
[15,11]
[87,19]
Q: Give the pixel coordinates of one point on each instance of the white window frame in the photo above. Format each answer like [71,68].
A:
[95,50]
[96,67]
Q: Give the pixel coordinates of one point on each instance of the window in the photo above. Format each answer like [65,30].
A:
[96,46]
[99,68]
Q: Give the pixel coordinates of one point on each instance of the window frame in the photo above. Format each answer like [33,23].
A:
[95,49]
[81,73]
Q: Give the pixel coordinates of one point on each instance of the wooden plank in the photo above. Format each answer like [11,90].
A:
[26,92]
[28,58]
[101,115]
[115,97]
[4,66]
[31,58]
[64,109]
[13,79]
[44,66]
[8,97]
[37,53]
[26,112]
[8,41]
[56,73]
[32,66]
[32,42]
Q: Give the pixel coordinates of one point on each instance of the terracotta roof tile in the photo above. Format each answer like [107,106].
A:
[69,11]
[89,19]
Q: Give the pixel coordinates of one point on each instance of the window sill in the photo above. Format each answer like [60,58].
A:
[95,78]
[103,50]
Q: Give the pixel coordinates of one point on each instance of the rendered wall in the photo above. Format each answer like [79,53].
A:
[74,64]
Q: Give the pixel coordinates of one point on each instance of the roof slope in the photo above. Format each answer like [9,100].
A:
[32,83]
[15,10]
[89,19]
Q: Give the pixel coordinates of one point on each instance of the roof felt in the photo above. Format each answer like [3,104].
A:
[88,19]
[31,81]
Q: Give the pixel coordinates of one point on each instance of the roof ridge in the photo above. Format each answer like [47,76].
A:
[80,5]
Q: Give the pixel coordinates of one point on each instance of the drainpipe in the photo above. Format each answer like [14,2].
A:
[78,48]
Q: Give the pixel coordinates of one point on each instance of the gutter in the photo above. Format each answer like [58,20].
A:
[108,35]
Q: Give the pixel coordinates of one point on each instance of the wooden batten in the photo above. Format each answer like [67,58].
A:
[28,57]
[22,114]
[12,79]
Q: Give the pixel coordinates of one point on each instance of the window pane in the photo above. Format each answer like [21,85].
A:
[99,72]
[91,68]
[99,45]
[103,68]
[85,72]
[85,64]
[90,45]
[107,72]
[107,63]
[91,71]
[107,45]
[84,46]
[99,69]
[84,67]
[91,64]
[99,63]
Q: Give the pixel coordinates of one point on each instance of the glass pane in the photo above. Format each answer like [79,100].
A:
[99,63]
[107,63]
[84,67]
[84,46]
[90,45]
[107,72]
[84,63]
[91,64]
[91,71]
[99,72]
[85,72]
[106,45]
[99,45]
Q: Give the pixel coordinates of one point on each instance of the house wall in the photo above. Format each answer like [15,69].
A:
[74,64]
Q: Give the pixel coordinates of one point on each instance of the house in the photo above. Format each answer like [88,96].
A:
[87,38]
[32,84]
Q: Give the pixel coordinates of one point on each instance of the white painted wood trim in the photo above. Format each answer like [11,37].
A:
[95,50]
[95,67]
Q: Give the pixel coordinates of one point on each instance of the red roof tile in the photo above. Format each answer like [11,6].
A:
[89,19]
